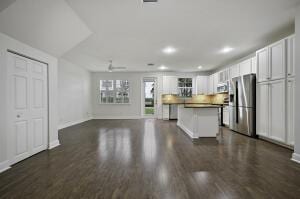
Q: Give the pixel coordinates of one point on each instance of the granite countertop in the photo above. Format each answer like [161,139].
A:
[202,106]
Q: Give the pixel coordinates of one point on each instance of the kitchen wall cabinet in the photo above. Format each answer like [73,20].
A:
[277,66]
[262,109]
[170,85]
[223,76]
[211,85]
[291,111]
[202,85]
[271,62]
[216,82]
[253,65]
[235,71]
[291,56]
[245,67]
[262,65]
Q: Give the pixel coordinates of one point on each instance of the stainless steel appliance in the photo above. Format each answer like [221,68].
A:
[242,102]
[222,88]
[173,110]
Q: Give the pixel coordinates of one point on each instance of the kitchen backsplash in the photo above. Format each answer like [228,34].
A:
[197,99]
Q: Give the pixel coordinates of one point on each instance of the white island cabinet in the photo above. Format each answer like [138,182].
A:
[198,121]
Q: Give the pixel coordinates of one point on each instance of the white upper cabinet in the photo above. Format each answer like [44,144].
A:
[277,66]
[211,85]
[235,71]
[253,65]
[291,56]
[291,111]
[245,67]
[201,85]
[262,109]
[216,82]
[170,85]
[277,117]
[262,65]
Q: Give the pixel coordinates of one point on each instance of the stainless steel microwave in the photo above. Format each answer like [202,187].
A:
[222,88]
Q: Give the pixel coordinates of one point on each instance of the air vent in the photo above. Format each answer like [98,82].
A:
[150,1]
[150,64]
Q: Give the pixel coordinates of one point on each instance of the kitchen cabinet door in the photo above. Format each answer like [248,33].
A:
[262,109]
[235,71]
[245,67]
[216,82]
[262,65]
[291,56]
[277,60]
[173,85]
[291,111]
[253,65]
[226,115]
[166,85]
[202,85]
[277,110]
[211,85]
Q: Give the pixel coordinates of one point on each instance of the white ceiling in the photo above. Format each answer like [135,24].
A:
[133,34]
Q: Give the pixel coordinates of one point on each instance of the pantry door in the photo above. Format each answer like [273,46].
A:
[28,99]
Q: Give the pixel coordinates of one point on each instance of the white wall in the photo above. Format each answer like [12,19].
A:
[74,94]
[12,44]
[296,155]
[132,110]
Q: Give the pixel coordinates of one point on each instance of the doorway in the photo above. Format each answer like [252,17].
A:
[149,97]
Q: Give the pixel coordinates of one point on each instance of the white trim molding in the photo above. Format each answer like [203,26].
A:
[72,123]
[4,166]
[53,144]
[296,158]
[186,130]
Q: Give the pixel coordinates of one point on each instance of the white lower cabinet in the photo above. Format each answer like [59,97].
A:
[165,111]
[262,109]
[291,111]
[271,109]
[226,115]
[277,130]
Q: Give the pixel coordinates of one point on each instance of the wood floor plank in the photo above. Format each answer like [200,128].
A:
[136,159]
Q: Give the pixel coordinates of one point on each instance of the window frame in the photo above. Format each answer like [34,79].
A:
[115,90]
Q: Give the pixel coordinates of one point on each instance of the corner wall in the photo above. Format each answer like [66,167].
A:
[74,94]
[296,155]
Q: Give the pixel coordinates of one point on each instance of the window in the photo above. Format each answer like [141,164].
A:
[185,87]
[114,91]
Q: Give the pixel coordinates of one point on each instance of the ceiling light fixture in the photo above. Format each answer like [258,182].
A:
[200,67]
[162,67]
[227,50]
[169,50]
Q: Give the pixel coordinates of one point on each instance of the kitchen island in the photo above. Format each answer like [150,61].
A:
[198,120]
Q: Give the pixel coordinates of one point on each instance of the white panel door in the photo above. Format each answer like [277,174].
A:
[291,111]
[277,110]
[262,65]
[245,67]
[277,60]
[29,107]
[262,109]
[253,65]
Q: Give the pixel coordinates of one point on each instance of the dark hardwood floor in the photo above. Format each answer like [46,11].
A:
[152,159]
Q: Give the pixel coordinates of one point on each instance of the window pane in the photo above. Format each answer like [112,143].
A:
[114,91]
[106,85]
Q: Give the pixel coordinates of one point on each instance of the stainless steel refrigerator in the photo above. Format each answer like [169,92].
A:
[242,102]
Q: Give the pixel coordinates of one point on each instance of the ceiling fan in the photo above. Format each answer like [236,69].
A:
[111,67]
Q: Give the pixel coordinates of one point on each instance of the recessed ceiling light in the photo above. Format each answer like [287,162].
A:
[162,67]
[169,50]
[200,67]
[226,49]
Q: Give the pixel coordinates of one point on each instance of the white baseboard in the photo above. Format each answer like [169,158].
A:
[54,144]
[4,166]
[296,157]
[186,130]
[117,117]
[72,123]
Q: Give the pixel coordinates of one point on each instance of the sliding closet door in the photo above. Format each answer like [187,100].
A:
[28,107]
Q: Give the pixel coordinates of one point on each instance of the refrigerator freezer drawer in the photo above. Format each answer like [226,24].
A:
[242,120]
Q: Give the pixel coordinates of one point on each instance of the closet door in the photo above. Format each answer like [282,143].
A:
[28,118]
[291,111]
[277,110]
